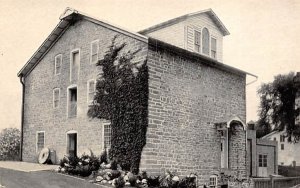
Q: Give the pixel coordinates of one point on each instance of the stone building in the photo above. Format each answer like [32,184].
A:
[197,106]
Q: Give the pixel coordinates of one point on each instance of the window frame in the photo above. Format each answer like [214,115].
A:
[213,179]
[103,135]
[89,102]
[202,45]
[262,160]
[36,141]
[55,64]
[281,146]
[216,52]
[76,50]
[200,41]
[54,97]
[73,86]
[91,51]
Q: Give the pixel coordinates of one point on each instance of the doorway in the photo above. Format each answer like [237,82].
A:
[72,144]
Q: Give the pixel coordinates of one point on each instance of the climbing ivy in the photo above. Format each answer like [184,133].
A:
[122,97]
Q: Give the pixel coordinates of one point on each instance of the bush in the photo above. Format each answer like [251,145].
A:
[10,144]
[83,166]
[120,183]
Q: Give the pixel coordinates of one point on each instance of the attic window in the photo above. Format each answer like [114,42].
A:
[213,51]
[205,41]
[197,41]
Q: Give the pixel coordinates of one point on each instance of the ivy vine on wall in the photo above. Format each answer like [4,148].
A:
[122,97]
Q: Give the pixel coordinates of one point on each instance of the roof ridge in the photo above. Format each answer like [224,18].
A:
[172,21]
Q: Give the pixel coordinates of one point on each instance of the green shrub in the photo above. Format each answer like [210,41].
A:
[10,144]
[120,183]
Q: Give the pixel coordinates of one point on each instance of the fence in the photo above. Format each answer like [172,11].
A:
[276,182]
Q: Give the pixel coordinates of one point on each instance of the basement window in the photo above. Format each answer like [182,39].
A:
[107,136]
[40,140]
[213,181]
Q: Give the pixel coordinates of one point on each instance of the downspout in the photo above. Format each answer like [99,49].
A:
[246,135]
[22,116]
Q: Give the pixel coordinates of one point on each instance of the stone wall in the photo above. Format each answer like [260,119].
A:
[39,84]
[187,97]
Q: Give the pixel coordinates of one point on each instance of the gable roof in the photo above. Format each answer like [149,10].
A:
[66,19]
[270,134]
[210,13]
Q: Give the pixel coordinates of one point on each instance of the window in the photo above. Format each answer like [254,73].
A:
[282,138]
[224,149]
[107,135]
[197,41]
[74,64]
[205,41]
[40,140]
[72,102]
[262,160]
[274,138]
[213,51]
[58,62]
[91,90]
[94,51]
[213,181]
[282,146]
[56,97]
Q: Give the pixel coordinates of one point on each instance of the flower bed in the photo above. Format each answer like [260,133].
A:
[98,170]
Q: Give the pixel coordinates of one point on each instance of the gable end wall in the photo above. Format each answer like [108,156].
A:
[186,99]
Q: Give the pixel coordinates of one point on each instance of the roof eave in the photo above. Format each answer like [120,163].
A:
[66,19]
[205,59]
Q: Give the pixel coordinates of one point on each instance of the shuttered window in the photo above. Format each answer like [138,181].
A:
[91,89]
[94,51]
[190,38]
[205,41]
[40,141]
[58,62]
[56,97]
[213,51]
[197,41]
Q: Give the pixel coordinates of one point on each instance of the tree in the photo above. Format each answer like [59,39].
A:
[122,97]
[277,107]
[10,144]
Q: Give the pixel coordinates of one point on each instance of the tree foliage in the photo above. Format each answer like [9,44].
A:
[122,97]
[277,107]
[10,144]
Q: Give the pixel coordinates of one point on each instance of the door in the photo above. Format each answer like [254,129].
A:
[72,144]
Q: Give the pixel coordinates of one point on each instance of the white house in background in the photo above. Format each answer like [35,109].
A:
[288,153]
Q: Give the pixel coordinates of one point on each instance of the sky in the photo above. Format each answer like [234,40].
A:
[264,36]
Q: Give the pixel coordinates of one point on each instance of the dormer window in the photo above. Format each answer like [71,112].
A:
[197,41]
[213,50]
[205,41]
